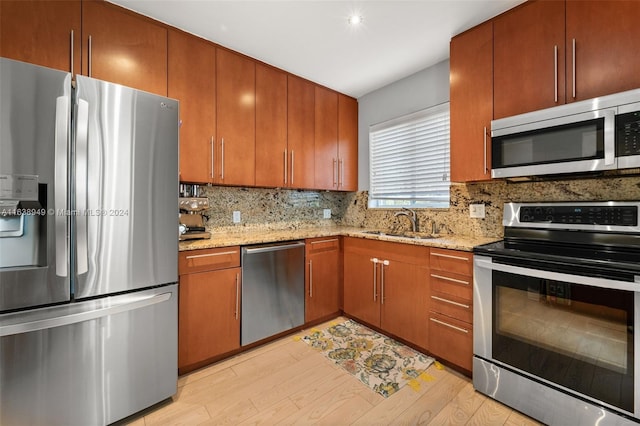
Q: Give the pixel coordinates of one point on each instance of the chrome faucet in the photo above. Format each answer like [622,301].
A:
[411,214]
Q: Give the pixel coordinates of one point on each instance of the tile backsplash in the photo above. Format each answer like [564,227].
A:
[290,209]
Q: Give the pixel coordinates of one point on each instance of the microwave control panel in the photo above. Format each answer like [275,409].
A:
[581,215]
[628,134]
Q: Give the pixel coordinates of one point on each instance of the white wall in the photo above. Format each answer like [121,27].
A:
[421,90]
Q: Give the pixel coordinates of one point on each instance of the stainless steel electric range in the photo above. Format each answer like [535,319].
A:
[557,310]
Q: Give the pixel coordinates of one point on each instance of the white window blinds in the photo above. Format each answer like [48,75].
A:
[409,160]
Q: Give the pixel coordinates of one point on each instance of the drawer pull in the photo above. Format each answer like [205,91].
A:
[449,256]
[450,279]
[462,305]
[449,325]
[222,253]
[324,241]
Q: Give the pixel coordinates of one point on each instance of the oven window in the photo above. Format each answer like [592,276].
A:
[579,337]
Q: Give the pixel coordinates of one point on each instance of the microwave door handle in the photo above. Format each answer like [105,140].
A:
[609,137]
[82,137]
[557,276]
[61,184]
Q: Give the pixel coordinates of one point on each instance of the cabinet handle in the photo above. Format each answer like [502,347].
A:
[292,166]
[450,325]
[310,278]
[383,264]
[237,294]
[340,172]
[375,268]
[222,253]
[486,170]
[222,159]
[89,54]
[72,32]
[451,302]
[212,157]
[573,66]
[326,241]
[335,172]
[449,256]
[450,279]
[555,73]
[285,166]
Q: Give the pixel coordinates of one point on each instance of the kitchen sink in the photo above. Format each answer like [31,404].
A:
[408,234]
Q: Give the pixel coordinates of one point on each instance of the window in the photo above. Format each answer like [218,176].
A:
[409,160]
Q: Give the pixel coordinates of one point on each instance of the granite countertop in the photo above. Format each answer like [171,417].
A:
[259,236]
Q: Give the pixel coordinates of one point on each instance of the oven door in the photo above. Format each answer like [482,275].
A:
[575,333]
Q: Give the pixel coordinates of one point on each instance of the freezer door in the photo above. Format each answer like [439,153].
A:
[35,106]
[126,189]
[89,363]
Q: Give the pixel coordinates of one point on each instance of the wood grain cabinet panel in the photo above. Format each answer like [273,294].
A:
[46,33]
[326,138]
[192,80]
[322,278]
[347,143]
[471,106]
[236,119]
[122,47]
[301,131]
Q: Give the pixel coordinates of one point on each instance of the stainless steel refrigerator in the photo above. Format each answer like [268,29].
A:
[88,248]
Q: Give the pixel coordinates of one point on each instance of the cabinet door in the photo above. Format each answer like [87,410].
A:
[361,287]
[471,94]
[272,165]
[326,138]
[347,143]
[123,48]
[529,58]
[40,32]
[403,300]
[606,55]
[236,119]
[209,315]
[300,131]
[322,283]
[192,80]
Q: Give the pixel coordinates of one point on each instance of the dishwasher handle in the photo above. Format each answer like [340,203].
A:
[270,248]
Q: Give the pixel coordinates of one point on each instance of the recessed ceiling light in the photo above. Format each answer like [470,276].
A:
[355,20]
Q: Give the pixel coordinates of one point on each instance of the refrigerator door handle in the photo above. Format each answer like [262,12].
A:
[82,137]
[131,304]
[60,184]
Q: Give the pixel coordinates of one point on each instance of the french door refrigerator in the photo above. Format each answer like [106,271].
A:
[88,248]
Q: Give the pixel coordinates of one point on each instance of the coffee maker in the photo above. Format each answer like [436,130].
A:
[191,223]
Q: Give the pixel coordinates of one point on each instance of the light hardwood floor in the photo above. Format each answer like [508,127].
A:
[288,382]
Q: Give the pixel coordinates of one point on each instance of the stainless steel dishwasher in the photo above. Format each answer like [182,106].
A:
[272,289]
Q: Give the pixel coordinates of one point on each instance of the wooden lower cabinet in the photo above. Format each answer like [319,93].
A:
[386,285]
[322,278]
[209,306]
[451,306]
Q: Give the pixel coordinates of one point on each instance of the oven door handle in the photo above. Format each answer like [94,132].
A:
[559,276]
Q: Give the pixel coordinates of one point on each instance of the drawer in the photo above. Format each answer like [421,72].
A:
[208,259]
[457,262]
[319,245]
[458,286]
[451,340]
[451,306]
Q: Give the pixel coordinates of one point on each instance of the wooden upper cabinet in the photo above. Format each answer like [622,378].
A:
[326,138]
[192,80]
[471,103]
[300,131]
[347,143]
[273,158]
[124,48]
[606,54]
[44,33]
[529,58]
[236,119]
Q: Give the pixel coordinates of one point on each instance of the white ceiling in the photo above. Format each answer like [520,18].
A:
[313,39]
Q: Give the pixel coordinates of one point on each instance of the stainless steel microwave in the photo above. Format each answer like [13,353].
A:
[593,135]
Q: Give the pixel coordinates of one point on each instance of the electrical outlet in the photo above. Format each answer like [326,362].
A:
[326,214]
[236,216]
[476,211]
